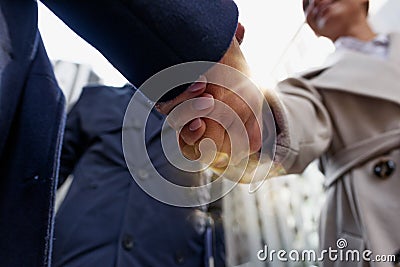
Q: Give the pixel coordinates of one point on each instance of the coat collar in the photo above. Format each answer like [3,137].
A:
[351,72]
[394,48]
[136,119]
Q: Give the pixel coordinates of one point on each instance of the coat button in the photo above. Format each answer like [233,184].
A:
[127,242]
[384,168]
[143,174]
[179,259]
[136,124]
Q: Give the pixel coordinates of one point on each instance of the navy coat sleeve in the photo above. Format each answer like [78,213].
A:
[142,37]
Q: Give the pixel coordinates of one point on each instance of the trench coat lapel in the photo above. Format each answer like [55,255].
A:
[351,72]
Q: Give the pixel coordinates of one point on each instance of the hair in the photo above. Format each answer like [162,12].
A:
[306,3]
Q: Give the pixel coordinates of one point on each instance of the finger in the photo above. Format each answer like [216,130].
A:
[192,132]
[226,150]
[237,142]
[215,132]
[221,160]
[196,89]
[244,138]
[254,135]
[192,108]
[241,138]
[239,35]
[190,152]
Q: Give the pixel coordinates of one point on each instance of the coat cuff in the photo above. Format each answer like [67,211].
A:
[285,150]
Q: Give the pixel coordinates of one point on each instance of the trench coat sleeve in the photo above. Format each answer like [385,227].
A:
[142,37]
[74,143]
[304,128]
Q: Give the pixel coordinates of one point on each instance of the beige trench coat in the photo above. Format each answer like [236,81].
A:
[348,115]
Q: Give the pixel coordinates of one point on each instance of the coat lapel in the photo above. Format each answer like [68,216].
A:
[136,118]
[155,126]
[351,72]
[23,41]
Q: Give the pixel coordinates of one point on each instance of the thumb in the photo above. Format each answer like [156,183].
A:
[239,33]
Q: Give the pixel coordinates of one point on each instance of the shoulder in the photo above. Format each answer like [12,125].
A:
[106,91]
[304,78]
[102,99]
[394,35]
[311,73]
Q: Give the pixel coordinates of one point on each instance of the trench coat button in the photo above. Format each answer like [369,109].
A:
[384,168]
[179,259]
[127,242]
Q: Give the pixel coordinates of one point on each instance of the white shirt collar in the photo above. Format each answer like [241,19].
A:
[379,46]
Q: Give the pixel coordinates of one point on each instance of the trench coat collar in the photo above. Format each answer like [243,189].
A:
[351,72]
[394,48]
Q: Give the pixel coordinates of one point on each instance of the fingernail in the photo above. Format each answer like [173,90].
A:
[198,85]
[202,103]
[195,125]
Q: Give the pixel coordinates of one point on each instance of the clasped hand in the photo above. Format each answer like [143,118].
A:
[224,105]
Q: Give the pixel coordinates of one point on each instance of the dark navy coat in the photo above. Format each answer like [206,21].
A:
[139,37]
[106,219]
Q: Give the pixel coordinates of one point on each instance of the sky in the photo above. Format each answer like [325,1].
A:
[270,28]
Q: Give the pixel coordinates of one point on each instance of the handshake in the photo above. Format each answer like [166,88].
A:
[219,118]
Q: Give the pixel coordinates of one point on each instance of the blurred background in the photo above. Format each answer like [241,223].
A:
[283,213]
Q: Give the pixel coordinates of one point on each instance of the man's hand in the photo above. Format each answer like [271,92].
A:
[227,87]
